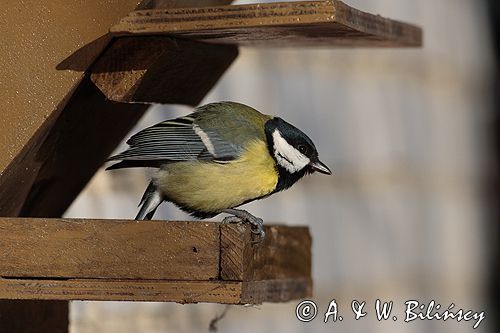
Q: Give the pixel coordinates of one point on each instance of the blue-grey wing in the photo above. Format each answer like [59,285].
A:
[179,139]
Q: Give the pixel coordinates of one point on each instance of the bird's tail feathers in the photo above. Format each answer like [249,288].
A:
[150,201]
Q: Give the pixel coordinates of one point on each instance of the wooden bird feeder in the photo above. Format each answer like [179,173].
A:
[74,94]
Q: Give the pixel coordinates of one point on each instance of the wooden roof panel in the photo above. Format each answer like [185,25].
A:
[308,23]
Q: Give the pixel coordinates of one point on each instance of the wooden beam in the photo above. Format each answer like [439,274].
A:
[304,23]
[127,249]
[160,69]
[78,248]
[153,261]
[285,253]
[225,292]
[62,158]
[282,290]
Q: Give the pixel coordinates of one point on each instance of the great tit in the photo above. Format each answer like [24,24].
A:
[221,156]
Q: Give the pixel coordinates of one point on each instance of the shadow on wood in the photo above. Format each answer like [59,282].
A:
[82,59]
[74,144]
[80,139]
[160,69]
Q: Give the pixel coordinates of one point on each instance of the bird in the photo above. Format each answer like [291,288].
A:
[221,156]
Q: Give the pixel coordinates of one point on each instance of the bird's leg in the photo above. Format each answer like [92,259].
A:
[240,215]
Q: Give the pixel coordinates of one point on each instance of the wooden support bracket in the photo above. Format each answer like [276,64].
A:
[160,69]
[186,262]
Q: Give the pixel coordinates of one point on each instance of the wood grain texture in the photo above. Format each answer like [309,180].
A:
[77,248]
[186,262]
[160,69]
[322,23]
[225,292]
[84,248]
[122,290]
[285,253]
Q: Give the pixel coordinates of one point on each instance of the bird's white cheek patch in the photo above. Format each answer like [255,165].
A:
[287,156]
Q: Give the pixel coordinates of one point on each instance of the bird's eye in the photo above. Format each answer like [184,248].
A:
[302,149]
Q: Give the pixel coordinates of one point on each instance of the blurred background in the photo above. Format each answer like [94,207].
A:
[403,217]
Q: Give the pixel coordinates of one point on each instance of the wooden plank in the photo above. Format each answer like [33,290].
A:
[282,290]
[79,248]
[160,69]
[225,292]
[323,23]
[122,290]
[33,316]
[186,262]
[150,250]
[285,253]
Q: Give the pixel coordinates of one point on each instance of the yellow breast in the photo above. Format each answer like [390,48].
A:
[213,187]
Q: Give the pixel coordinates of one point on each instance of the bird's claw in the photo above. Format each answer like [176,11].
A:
[257,228]
[257,224]
[231,219]
[261,235]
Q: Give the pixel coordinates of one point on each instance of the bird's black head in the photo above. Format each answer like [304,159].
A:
[293,151]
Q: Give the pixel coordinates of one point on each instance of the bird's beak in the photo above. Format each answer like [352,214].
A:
[320,167]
